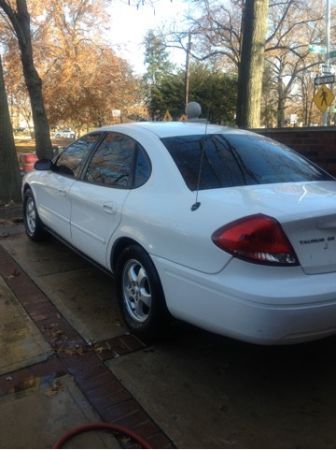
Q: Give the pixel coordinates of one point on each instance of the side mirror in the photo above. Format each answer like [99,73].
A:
[43,164]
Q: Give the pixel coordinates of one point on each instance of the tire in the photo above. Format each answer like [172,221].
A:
[140,294]
[32,222]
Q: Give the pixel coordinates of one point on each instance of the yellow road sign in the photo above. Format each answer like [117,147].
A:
[323,98]
[167,117]
[183,118]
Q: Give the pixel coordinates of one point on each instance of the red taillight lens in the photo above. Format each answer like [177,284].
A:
[258,239]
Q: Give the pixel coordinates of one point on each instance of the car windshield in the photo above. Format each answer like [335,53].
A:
[218,160]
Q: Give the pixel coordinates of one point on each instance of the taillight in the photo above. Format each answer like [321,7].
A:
[258,239]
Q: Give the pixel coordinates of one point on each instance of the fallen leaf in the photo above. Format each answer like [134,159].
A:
[14,274]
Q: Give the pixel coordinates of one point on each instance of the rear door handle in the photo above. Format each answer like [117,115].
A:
[109,209]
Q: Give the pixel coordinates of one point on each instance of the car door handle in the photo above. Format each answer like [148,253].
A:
[109,209]
[61,192]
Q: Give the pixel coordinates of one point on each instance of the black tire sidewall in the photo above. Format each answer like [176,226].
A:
[39,232]
[157,319]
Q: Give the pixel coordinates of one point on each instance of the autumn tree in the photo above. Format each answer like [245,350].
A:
[18,16]
[83,78]
[292,26]
[242,46]
[9,168]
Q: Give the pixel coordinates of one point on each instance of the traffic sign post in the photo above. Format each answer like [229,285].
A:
[331,55]
[323,98]
[325,79]
[317,49]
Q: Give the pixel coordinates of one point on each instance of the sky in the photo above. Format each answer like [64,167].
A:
[128,27]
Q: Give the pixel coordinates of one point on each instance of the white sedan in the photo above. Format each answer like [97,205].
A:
[219,227]
[65,133]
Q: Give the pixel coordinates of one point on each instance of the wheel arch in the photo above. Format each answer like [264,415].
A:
[25,187]
[120,244]
[160,311]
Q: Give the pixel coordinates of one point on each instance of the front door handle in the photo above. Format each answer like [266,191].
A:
[109,209]
[61,192]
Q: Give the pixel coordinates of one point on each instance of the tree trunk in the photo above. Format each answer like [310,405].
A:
[34,84]
[10,181]
[254,27]
[20,21]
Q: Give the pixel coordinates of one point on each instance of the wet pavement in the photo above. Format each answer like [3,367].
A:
[21,342]
[37,416]
[192,390]
[79,290]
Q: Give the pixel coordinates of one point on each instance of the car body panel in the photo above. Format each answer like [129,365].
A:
[54,206]
[96,214]
[306,211]
[202,283]
[253,303]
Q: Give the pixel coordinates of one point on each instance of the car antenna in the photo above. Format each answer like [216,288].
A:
[193,111]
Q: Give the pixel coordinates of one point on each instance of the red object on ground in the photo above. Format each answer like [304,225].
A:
[27,161]
[102,426]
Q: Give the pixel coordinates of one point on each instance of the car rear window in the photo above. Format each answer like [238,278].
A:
[230,160]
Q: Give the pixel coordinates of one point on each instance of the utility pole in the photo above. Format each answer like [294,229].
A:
[325,116]
[187,74]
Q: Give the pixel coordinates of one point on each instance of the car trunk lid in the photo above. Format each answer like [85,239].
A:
[306,212]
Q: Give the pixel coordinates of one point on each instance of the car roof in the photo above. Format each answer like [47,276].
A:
[170,129]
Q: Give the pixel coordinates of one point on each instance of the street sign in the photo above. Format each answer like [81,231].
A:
[326,69]
[293,119]
[323,98]
[167,117]
[331,54]
[325,79]
[318,49]
[116,113]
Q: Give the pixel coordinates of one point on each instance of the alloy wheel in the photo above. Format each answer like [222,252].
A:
[136,291]
[31,215]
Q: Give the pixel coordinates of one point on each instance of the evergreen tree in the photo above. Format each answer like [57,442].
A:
[157,66]
[214,90]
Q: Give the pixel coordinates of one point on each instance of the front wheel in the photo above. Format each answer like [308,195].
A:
[140,293]
[32,222]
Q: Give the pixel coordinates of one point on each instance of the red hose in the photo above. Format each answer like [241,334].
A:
[102,426]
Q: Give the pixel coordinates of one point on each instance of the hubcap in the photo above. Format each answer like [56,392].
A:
[136,291]
[31,215]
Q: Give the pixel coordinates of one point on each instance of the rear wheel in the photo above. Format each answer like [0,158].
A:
[141,298]
[32,222]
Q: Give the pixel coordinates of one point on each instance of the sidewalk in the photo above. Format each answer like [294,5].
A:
[52,375]
[67,359]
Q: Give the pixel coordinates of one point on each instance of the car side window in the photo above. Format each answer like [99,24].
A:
[71,160]
[112,163]
[143,168]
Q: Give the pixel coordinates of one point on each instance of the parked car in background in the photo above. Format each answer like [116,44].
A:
[220,227]
[65,133]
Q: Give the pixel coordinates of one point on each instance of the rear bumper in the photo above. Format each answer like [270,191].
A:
[258,304]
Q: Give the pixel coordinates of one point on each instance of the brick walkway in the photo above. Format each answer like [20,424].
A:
[72,355]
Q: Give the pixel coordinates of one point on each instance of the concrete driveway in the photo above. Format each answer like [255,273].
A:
[193,390]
